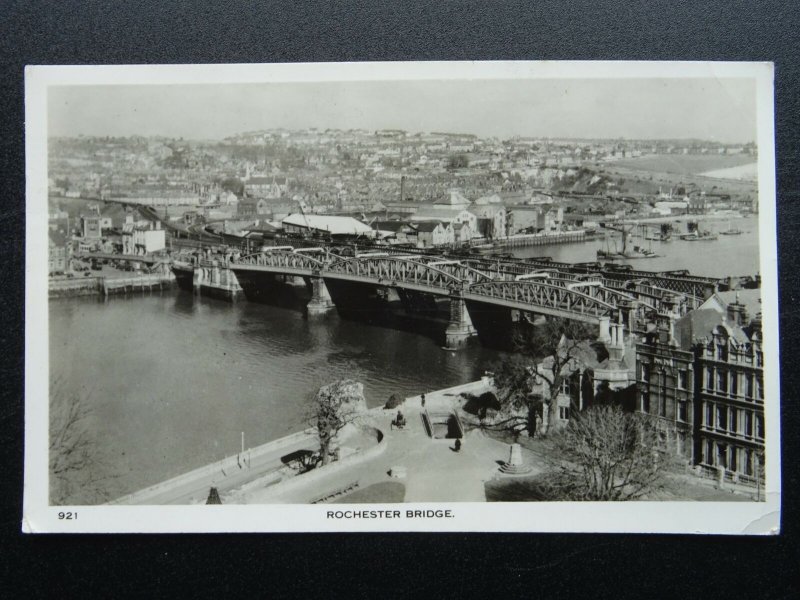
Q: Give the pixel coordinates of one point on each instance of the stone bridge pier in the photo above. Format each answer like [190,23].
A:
[460,328]
[321,301]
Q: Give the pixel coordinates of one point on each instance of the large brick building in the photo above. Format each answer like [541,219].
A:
[730,398]
[665,385]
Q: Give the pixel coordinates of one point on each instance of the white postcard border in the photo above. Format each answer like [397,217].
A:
[639,517]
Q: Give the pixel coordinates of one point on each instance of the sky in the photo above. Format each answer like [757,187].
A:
[722,110]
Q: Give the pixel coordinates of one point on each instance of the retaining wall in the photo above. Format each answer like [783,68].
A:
[293,484]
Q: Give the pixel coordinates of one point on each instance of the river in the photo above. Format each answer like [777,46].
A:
[727,255]
[173,379]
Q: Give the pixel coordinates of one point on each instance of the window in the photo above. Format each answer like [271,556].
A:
[748,461]
[734,427]
[748,423]
[748,385]
[563,412]
[682,411]
[722,417]
[645,402]
[722,381]
[662,404]
[710,379]
[565,386]
[733,457]
[682,380]
[759,388]
[734,384]
[709,422]
[722,455]
[722,350]
[645,372]
[709,452]
[760,426]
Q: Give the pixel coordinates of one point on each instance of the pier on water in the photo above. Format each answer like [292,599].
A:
[533,239]
[105,286]
[136,283]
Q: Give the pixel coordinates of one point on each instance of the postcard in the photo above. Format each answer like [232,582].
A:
[468,296]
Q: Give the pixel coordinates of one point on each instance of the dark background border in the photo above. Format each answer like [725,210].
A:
[333,565]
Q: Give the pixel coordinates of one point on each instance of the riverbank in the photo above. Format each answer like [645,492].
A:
[221,369]
[429,468]
[101,285]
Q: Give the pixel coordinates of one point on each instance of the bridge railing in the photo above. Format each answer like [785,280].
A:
[557,298]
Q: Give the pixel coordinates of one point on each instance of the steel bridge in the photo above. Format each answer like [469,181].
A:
[676,282]
[550,293]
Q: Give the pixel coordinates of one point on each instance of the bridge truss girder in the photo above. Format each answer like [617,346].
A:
[544,298]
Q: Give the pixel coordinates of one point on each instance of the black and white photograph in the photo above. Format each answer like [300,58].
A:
[511,296]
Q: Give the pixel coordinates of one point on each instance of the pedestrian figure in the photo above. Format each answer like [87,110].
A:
[458,445]
[423,400]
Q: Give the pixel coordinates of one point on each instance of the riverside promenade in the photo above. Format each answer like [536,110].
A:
[430,469]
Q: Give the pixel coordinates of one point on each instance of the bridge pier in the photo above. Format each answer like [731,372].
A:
[211,279]
[321,301]
[604,336]
[460,328]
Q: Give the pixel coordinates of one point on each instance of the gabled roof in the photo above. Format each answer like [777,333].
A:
[440,213]
[695,325]
[486,211]
[454,198]
[427,226]
[333,224]
[751,299]
[391,225]
[492,199]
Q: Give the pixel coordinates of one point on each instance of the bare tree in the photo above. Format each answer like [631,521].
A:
[335,406]
[77,473]
[606,454]
[548,352]
[514,380]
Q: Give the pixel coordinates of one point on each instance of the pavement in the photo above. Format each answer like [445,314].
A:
[193,487]
[435,472]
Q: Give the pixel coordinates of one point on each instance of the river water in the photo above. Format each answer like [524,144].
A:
[727,255]
[173,379]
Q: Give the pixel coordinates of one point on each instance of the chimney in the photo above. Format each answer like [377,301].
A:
[737,313]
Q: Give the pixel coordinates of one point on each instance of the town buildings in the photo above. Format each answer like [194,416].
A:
[59,254]
[730,397]
[326,224]
[252,208]
[275,186]
[701,377]
[665,384]
[142,237]
[432,233]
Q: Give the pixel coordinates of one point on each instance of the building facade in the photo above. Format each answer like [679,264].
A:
[434,234]
[665,387]
[730,399]
[58,253]
[142,238]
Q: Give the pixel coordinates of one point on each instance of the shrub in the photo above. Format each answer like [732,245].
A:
[394,401]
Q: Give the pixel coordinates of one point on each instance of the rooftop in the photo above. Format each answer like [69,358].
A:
[332,224]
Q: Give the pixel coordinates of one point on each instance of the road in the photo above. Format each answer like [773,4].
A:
[192,490]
